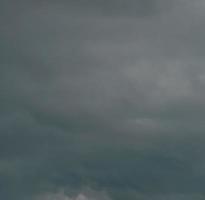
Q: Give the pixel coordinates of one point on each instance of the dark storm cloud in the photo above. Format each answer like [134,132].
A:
[107,95]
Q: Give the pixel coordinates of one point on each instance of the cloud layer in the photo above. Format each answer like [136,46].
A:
[107,95]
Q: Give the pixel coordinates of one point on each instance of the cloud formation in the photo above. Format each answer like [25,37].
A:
[91,195]
[104,94]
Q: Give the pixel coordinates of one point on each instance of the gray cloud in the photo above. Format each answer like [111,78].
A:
[106,95]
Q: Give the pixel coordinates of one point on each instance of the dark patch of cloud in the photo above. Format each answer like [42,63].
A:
[112,8]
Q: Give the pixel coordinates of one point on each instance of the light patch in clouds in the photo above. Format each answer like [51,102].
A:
[87,195]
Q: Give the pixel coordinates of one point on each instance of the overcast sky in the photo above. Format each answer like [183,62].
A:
[102,100]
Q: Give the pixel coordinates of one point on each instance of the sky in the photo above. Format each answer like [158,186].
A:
[102,100]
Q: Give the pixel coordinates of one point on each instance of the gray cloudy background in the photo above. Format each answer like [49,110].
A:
[102,100]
